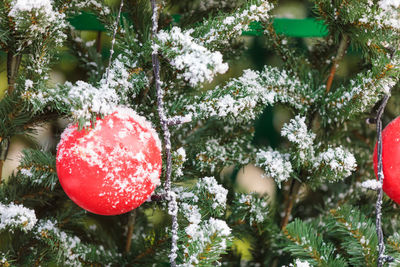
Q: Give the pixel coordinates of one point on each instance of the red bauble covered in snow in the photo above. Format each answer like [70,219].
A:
[112,168]
[390,159]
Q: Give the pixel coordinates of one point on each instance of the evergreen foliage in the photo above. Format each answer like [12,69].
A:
[320,216]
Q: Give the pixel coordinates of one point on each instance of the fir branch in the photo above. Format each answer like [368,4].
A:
[363,92]
[358,233]
[40,168]
[306,243]
[250,208]
[288,54]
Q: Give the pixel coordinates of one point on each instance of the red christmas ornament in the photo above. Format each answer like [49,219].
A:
[390,159]
[112,168]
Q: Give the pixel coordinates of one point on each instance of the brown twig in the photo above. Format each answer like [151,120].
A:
[344,43]
[150,250]
[4,146]
[1,168]
[292,196]
[13,62]
[131,227]
[98,42]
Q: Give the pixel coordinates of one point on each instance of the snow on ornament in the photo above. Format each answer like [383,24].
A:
[390,159]
[112,168]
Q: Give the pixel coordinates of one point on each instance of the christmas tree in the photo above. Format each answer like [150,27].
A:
[162,82]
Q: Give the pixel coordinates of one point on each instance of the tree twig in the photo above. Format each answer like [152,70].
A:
[13,63]
[131,226]
[344,43]
[294,189]
[4,146]
[171,197]
[382,258]
[113,39]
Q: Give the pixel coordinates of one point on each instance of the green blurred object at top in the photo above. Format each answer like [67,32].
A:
[307,27]
[86,22]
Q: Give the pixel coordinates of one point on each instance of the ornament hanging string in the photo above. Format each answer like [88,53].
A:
[113,39]
[171,197]
[382,258]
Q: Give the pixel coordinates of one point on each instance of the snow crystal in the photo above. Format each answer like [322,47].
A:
[29,5]
[256,208]
[218,191]
[191,213]
[33,20]
[17,216]
[232,26]
[275,164]
[229,20]
[28,84]
[372,184]
[243,98]
[300,263]
[338,159]
[180,156]
[26,172]
[202,235]
[390,15]
[68,244]
[296,132]
[197,62]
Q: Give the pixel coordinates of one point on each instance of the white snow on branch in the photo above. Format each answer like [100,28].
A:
[217,153]
[84,100]
[196,63]
[29,5]
[387,15]
[97,5]
[125,78]
[243,98]
[90,99]
[231,27]
[299,263]
[253,206]
[211,186]
[179,157]
[176,120]
[365,90]
[296,132]
[35,21]
[372,184]
[339,160]
[213,234]
[17,217]
[275,164]
[70,247]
